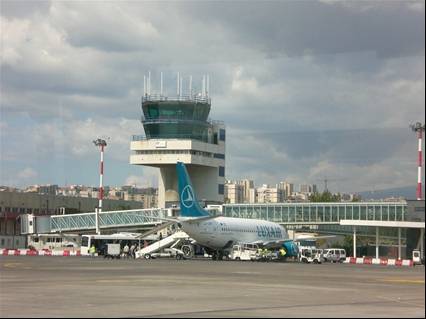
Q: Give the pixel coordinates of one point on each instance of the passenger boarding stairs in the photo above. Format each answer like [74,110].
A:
[157,229]
[171,240]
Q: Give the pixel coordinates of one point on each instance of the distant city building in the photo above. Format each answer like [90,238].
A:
[85,193]
[247,186]
[300,197]
[266,194]
[48,189]
[252,195]
[350,197]
[308,188]
[234,193]
[287,187]
[32,189]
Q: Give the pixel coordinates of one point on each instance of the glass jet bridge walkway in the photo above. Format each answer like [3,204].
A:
[141,218]
[287,214]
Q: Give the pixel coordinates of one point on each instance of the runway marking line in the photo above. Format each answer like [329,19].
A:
[404,281]
[11,265]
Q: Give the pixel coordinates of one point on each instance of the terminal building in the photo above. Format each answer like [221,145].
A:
[176,129]
[389,228]
[15,204]
[399,224]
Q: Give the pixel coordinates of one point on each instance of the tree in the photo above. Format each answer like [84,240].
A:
[325,197]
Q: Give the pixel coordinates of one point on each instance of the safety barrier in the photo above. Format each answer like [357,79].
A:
[44,252]
[379,261]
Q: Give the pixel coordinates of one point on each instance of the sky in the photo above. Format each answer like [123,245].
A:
[308,90]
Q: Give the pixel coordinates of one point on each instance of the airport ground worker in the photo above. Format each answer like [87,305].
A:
[265,254]
[92,250]
[282,252]
[132,251]
[126,251]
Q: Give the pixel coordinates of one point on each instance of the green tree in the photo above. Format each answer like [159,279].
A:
[325,197]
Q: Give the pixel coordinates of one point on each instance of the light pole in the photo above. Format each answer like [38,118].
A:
[101,144]
[419,129]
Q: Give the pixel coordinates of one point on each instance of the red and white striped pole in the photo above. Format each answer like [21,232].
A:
[419,168]
[419,129]
[101,143]
[101,177]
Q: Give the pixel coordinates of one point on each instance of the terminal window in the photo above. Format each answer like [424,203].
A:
[221,171]
[221,189]
[222,135]
[218,155]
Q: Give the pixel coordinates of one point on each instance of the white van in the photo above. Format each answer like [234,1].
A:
[334,255]
[417,260]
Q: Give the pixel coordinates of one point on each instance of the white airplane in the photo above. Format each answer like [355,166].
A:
[219,234]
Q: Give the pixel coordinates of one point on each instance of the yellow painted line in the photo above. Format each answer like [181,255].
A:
[11,265]
[404,281]
[113,280]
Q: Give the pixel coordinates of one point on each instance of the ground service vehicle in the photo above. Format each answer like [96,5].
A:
[243,252]
[101,241]
[417,260]
[311,256]
[54,241]
[334,255]
[265,255]
[167,252]
[113,251]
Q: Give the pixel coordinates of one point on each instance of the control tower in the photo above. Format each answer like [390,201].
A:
[177,128]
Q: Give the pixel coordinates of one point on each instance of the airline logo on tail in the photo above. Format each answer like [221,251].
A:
[187,196]
[189,206]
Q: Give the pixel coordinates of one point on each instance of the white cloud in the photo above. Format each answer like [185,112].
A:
[76,136]
[73,71]
[147,178]
[27,174]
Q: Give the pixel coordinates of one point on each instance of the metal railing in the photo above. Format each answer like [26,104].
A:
[318,213]
[112,219]
[173,119]
[178,98]
[136,138]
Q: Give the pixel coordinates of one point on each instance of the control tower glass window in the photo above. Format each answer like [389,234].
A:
[176,119]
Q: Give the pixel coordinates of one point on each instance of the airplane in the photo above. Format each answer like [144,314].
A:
[217,234]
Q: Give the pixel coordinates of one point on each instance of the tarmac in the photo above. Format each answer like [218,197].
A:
[95,287]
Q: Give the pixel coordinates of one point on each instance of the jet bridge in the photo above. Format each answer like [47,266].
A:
[136,218]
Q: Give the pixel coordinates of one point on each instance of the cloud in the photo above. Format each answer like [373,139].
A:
[295,28]
[131,31]
[27,173]
[147,178]
[306,89]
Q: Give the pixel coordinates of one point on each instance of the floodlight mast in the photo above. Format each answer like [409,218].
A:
[101,144]
[419,129]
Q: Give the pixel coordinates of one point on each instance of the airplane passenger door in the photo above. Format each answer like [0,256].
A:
[212,229]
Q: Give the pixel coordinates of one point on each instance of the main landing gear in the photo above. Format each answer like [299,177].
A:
[217,255]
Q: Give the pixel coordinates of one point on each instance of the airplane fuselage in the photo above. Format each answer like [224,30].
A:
[220,232]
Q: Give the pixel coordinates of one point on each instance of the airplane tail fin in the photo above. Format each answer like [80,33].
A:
[189,206]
